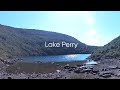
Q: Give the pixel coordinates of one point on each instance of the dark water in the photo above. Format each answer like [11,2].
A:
[58,58]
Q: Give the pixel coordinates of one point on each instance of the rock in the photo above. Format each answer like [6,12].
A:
[9,78]
[90,67]
[86,70]
[78,71]
[52,62]
[96,78]
[73,67]
[95,70]
[67,66]
[58,71]
[93,73]
[108,57]
[37,75]
[59,76]
[104,69]
[82,70]
[7,65]
[79,65]
[38,62]
[57,65]
[112,67]
[117,72]
[106,74]
[84,67]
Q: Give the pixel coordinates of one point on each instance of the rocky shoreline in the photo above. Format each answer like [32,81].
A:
[105,69]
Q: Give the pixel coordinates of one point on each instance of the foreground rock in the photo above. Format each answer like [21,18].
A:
[106,69]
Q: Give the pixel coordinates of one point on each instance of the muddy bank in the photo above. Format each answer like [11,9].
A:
[104,69]
[37,70]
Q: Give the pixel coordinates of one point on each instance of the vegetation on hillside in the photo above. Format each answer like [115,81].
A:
[110,50]
[30,42]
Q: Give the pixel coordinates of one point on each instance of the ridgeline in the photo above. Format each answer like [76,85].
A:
[30,42]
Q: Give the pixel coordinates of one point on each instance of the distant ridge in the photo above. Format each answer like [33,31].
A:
[30,42]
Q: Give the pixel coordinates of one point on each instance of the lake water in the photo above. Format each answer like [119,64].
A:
[58,58]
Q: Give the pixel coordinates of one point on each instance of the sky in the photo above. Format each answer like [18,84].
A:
[90,27]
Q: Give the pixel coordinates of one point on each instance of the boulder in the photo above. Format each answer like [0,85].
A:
[71,69]
[9,78]
[57,65]
[106,74]
[67,66]
[82,70]
[84,67]
[58,71]
[94,73]
[95,70]
[79,65]
[112,67]
[52,62]
[74,67]
[104,69]
[78,71]
[87,66]
[58,76]
[90,67]
[86,70]
[117,73]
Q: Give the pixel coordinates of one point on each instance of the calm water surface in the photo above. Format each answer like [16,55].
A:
[58,58]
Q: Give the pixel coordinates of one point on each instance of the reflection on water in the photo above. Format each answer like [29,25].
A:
[70,56]
[91,63]
[58,58]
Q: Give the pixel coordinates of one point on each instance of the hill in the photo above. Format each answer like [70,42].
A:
[31,42]
[110,50]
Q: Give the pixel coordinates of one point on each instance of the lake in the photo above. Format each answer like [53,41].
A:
[47,66]
[58,58]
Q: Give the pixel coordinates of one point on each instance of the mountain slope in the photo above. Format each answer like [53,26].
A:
[27,42]
[110,50]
